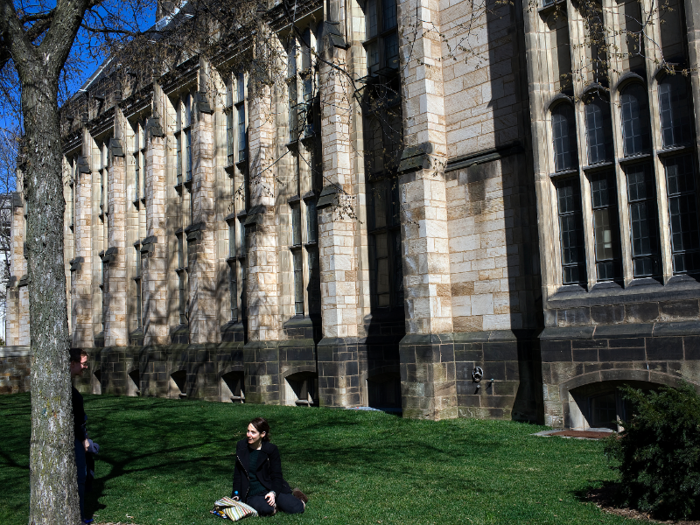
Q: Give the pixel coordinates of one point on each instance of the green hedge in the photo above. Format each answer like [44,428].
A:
[658,454]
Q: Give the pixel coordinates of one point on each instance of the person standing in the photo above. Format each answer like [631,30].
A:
[78,364]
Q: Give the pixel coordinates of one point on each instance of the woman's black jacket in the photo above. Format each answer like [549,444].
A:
[269,471]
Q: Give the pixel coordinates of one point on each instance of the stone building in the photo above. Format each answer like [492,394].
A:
[450,208]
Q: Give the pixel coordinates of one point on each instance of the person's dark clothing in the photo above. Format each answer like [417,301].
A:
[285,502]
[79,416]
[256,488]
[268,472]
[80,433]
[81,467]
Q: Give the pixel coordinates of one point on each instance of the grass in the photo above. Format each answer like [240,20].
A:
[167,461]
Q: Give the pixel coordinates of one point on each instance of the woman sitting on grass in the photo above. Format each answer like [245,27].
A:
[257,477]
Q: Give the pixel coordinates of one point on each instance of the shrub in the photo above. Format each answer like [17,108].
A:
[658,454]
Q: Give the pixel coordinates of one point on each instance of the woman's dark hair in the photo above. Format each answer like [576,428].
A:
[261,425]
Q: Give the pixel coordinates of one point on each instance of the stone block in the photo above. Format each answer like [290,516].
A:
[622,354]
[686,309]
[664,348]
[553,351]
[641,312]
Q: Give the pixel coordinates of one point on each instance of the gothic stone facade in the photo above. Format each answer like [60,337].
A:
[441,207]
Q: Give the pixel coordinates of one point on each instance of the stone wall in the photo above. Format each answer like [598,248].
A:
[15,363]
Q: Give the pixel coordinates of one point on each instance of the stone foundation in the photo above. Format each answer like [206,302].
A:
[581,364]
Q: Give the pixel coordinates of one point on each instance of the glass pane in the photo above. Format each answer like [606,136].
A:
[388,14]
[398,270]
[605,226]
[308,88]
[311,222]
[571,232]
[381,247]
[296,225]
[674,110]
[306,50]
[242,136]
[635,120]
[564,136]
[603,235]
[372,58]
[298,283]
[597,129]
[178,161]
[371,18]
[314,288]
[231,239]
[188,111]
[383,288]
[293,117]
[643,219]
[137,184]
[292,58]
[188,154]
[240,87]
[377,197]
[683,217]
[229,137]
[391,50]
[233,292]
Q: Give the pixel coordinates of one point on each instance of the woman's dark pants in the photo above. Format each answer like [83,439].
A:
[285,502]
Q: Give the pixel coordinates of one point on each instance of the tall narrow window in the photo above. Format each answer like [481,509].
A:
[232,281]
[240,110]
[243,268]
[382,39]
[229,125]
[105,292]
[605,226]
[297,261]
[306,49]
[140,162]
[683,215]
[137,164]
[598,131]
[311,222]
[641,195]
[386,274]
[564,138]
[187,130]
[676,115]
[573,258]
[294,131]
[73,191]
[139,290]
[634,108]
[182,278]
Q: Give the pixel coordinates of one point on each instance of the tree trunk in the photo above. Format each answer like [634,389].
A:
[54,488]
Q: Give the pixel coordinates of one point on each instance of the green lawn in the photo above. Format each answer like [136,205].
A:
[167,461]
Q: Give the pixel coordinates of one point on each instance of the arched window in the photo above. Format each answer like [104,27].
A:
[676,127]
[634,107]
[564,138]
[598,131]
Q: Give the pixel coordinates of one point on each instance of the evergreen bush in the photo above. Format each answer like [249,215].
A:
[658,454]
